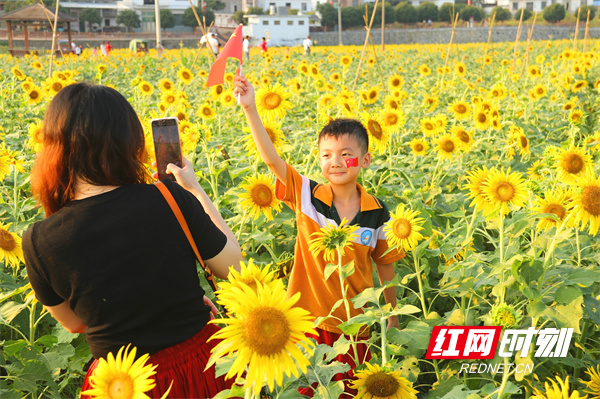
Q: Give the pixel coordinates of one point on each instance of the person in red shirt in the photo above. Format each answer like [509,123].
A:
[263,45]
[108,47]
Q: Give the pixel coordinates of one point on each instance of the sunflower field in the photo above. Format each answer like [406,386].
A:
[487,155]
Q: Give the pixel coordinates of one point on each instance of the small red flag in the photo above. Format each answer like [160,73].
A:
[233,48]
[351,162]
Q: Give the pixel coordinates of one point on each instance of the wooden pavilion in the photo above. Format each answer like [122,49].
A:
[34,16]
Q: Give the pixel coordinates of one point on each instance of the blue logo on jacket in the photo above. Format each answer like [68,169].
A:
[365,237]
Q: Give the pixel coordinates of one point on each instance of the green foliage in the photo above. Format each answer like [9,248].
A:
[293,11]
[502,14]
[352,16]
[471,11]
[189,19]
[448,11]
[390,16]
[527,13]
[583,12]
[167,19]
[329,16]
[427,11]
[406,13]
[255,11]
[554,13]
[91,15]
[216,5]
[238,17]
[129,18]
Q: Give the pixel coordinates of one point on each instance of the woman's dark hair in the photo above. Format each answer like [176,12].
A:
[351,127]
[92,133]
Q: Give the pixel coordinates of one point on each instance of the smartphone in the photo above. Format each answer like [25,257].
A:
[167,145]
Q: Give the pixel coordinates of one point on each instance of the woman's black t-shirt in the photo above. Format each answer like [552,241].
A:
[124,266]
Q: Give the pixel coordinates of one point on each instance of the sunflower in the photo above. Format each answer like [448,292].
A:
[586,202]
[554,202]
[576,116]
[536,171]
[216,91]
[460,109]
[101,68]
[403,229]
[476,181]
[505,315]
[272,102]
[181,115]
[206,111]
[36,138]
[348,106]
[593,142]
[579,85]
[379,383]
[460,68]
[393,120]
[498,91]
[391,103]
[34,95]
[593,385]
[228,99]
[534,71]
[345,61]
[27,85]
[122,376]
[37,65]
[395,81]
[146,88]
[335,77]
[539,91]
[569,105]
[185,75]
[17,73]
[503,188]
[259,197]
[419,146]
[428,127]
[481,118]
[165,85]
[558,390]
[424,70]
[55,85]
[330,238]
[275,134]
[11,251]
[378,131]
[265,335]
[327,100]
[522,144]
[447,146]
[572,163]
[250,275]
[369,96]
[431,102]
[464,139]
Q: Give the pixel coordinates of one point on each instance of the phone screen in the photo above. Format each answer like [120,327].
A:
[167,145]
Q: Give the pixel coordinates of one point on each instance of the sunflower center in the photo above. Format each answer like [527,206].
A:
[481,117]
[206,111]
[429,126]
[167,85]
[506,318]
[461,69]
[272,101]
[523,141]
[219,89]
[460,108]
[7,241]
[396,82]
[418,147]
[381,384]
[120,387]
[402,228]
[267,331]
[448,145]
[463,136]
[393,104]
[34,95]
[372,94]
[505,191]
[185,75]
[262,195]
[56,86]
[556,209]
[573,163]
[590,198]
[375,129]
[391,119]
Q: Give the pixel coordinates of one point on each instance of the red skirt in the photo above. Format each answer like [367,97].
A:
[183,364]
[364,355]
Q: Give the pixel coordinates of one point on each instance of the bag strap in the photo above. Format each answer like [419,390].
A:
[184,226]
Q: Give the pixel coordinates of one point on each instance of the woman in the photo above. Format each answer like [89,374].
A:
[110,260]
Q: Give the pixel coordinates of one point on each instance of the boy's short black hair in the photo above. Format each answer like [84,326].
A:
[351,127]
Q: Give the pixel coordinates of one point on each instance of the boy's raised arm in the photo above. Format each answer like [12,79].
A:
[263,142]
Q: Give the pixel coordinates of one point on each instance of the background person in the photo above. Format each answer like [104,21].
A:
[307,43]
[263,45]
[246,47]
[110,260]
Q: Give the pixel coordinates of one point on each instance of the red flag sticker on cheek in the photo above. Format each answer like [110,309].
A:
[350,162]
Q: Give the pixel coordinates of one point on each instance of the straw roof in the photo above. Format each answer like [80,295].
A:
[36,13]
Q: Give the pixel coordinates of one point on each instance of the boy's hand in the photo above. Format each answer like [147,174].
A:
[245,91]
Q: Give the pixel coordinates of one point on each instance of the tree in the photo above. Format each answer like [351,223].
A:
[10,6]
[583,10]
[390,16]
[554,13]
[471,11]
[328,15]
[427,11]
[91,15]
[129,18]
[167,19]
[527,13]
[215,5]
[238,17]
[448,11]
[189,19]
[255,11]
[352,17]
[502,14]
[406,13]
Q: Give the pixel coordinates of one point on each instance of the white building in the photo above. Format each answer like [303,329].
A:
[302,6]
[539,5]
[280,30]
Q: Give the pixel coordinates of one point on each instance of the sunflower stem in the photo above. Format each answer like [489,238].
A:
[551,250]
[501,245]
[15,194]
[578,247]
[345,300]
[383,322]
[418,271]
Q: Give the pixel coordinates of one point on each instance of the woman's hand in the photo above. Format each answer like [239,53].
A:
[186,177]
[213,308]
[245,91]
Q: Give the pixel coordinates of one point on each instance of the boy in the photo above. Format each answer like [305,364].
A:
[343,151]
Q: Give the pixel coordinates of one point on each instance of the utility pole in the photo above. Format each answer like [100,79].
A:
[382,25]
[340,23]
[159,48]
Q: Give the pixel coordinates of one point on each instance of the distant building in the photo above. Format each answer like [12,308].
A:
[539,5]
[280,30]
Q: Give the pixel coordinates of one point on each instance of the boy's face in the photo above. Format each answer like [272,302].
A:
[333,154]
